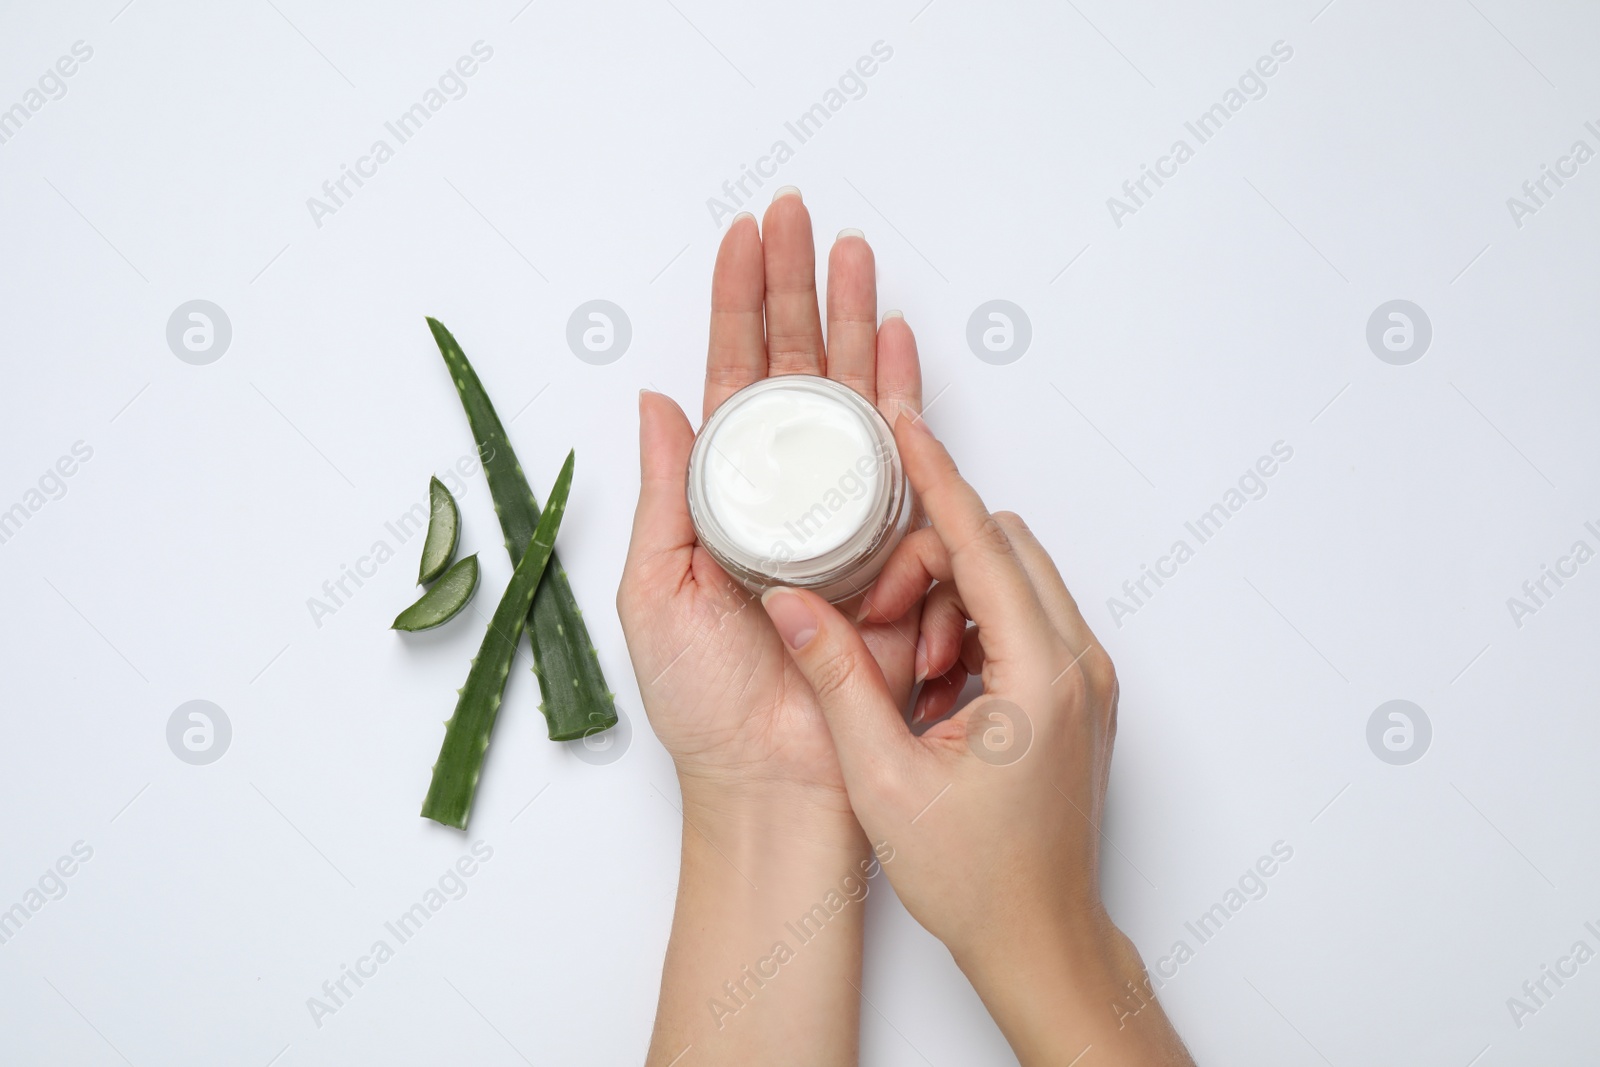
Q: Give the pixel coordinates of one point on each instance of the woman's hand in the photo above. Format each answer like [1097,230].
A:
[730,706]
[768,831]
[993,814]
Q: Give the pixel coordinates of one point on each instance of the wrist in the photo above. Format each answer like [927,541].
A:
[765,955]
[759,816]
[1056,991]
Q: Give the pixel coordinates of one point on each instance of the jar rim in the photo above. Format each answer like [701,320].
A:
[830,570]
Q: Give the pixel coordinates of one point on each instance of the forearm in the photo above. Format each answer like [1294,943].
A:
[1057,995]
[764,959]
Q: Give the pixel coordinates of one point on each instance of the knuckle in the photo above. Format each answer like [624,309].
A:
[893,787]
[1011,522]
[832,674]
[1099,670]
[727,376]
[861,383]
[1089,680]
[990,538]
[1072,688]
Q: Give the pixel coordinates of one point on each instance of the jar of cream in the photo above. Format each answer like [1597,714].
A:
[795,480]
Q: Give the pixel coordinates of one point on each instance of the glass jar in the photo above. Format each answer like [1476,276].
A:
[795,480]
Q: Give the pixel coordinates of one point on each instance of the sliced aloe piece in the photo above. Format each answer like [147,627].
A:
[442,602]
[466,735]
[444,527]
[575,701]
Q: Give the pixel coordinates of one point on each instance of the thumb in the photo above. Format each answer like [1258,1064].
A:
[866,725]
[661,524]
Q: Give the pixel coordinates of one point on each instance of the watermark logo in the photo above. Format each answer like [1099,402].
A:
[1251,886]
[1399,332]
[1538,991]
[599,332]
[1251,85]
[52,485]
[739,992]
[999,332]
[341,589]
[337,992]
[199,332]
[1538,191]
[51,886]
[198,732]
[999,733]
[600,746]
[815,525]
[740,191]
[1540,589]
[1137,592]
[451,84]
[52,85]
[1399,732]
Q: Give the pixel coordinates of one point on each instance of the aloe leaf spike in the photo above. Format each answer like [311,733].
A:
[466,735]
[576,701]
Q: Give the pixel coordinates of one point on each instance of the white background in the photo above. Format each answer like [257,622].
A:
[1229,313]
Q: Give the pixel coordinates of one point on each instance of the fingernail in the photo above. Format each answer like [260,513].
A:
[921,660]
[851,232]
[892,314]
[787,190]
[866,606]
[920,713]
[789,613]
[909,415]
[743,215]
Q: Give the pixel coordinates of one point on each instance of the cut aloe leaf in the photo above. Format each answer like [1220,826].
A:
[444,527]
[442,602]
[575,701]
[466,735]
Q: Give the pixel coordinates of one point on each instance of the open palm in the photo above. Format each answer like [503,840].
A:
[723,695]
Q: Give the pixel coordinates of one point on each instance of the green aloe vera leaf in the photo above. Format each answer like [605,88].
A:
[444,527]
[466,735]
[576,701]
[441,603]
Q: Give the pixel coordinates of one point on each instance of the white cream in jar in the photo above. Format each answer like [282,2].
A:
[796,481]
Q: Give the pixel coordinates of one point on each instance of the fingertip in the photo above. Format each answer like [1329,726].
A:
[939,643]
[665,436]
[911,568]
[647,410]
[851,250]
[928,464]
[739,240]
[899,369]
[661,523]
[736,353]
[909,419]
[788,208]
[938,696]
[793,618]
[852,257]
